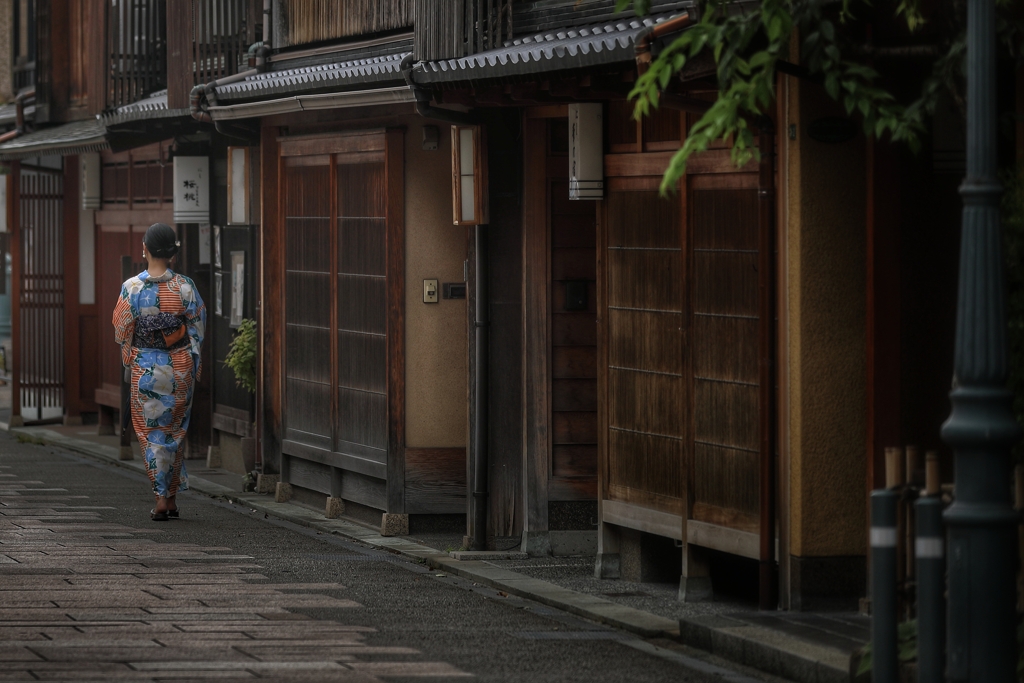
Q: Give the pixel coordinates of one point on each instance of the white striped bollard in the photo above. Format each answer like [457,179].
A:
[930,547]
[884,646]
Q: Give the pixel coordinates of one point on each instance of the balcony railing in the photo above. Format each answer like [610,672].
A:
[24,75]
[209,42]
[311,21]
[447,29]
[137,45]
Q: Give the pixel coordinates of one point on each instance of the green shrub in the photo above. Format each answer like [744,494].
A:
[242,356]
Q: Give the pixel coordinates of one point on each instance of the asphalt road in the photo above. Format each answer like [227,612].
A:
[91,589]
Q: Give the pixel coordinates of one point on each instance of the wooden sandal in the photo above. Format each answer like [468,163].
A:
[158,516]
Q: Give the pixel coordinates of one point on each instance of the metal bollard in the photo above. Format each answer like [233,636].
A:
[884,646]
[930,546]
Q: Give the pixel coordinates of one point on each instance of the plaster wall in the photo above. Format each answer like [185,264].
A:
[435,341]
[826,288]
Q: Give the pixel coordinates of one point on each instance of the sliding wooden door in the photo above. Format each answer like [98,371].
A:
[341,200]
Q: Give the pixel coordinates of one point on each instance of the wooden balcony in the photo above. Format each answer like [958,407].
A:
[300,22]
[207,41]
[137,49]
[448,29]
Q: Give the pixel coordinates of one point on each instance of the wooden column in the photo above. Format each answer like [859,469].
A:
[767,592]
[395,169]
[72,331]
[536,396]
[271,319]
[883,308]
[14,227]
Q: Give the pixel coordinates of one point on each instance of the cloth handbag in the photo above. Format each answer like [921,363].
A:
[162,331]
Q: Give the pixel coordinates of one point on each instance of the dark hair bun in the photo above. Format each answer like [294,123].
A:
[161,241]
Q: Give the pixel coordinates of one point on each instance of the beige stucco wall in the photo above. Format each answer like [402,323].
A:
[826,248]
[435,334]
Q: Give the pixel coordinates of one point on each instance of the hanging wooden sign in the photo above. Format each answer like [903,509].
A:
[191,190]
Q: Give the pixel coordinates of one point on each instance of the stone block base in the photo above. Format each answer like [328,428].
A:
[213,459]
[335,508]
[267,483]
[394,525]
[126,453]
[695,589]
[283,492]
[827,583]
[536,543]
[648,558]
[607,566]
[19,421]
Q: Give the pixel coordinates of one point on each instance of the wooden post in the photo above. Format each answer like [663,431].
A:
[767,595]
[913,464]
[125,451]
[933,474]
[14,227]
[893,471]
[73,342]
[536,390]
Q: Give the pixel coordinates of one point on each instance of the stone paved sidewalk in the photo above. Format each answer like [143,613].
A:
[83,598]
[90,589]
[799,646]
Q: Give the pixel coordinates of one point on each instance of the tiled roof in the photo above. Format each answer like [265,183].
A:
[570,48]
[87,135]
[9,113]
[335,76]
[152,107]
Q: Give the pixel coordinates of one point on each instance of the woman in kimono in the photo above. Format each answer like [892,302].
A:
[159,321]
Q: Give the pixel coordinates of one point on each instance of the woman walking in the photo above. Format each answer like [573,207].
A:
[159,321]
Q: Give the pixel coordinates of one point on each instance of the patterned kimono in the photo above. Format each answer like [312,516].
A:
[161,381]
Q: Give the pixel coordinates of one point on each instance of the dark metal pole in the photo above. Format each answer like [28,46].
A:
[480,393]
[931,586]
[884,534]
[981,428]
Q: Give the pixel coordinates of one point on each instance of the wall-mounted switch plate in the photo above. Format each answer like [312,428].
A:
[430,291]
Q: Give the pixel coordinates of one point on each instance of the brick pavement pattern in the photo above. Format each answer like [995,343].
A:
[85,599]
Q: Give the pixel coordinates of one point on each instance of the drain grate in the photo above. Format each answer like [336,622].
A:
[570,635]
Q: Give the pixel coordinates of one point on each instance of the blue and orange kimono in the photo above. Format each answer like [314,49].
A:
[162,381]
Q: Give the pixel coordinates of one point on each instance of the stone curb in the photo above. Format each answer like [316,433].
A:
[760,648]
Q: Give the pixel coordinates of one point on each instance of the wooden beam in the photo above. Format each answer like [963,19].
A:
[144,217]
[644,519]
[742,543]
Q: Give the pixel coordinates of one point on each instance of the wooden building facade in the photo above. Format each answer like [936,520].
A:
[667,378]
